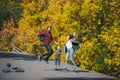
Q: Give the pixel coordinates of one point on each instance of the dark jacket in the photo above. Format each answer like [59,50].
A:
[75,46]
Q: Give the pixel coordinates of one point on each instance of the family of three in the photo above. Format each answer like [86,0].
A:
[70,47]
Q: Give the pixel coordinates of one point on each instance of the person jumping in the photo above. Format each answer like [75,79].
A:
[47,40]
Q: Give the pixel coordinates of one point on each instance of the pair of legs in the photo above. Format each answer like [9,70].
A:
[57,61]
[49,52]
[70,53]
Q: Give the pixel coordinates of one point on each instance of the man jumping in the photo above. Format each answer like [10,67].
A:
[47,40]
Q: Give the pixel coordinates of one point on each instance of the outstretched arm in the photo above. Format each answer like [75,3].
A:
[42,33]
[55,42]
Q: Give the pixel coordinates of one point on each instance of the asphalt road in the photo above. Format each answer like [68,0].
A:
[36,70]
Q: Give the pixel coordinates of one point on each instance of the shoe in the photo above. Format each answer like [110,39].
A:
[75,68]
[65,69]
[47,61]
[58,66]
[55,66]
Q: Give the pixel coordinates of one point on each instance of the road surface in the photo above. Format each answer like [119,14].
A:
[36,70]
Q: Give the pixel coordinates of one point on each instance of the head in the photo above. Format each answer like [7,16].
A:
[8,65]
[49,28]
[69,37]
[58,47]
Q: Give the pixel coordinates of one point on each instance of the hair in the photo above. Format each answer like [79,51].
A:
[56,46]
[70,36]
[49,26]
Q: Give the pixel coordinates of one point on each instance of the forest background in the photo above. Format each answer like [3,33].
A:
[97,23]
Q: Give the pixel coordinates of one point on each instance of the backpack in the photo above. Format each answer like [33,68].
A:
[42,37]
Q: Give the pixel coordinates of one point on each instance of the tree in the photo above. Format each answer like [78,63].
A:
[10,9]
[96,22]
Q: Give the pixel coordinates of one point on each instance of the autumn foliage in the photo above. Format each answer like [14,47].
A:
[97,23]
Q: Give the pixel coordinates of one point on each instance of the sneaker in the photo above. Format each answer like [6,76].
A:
[58,67]
[75,68]
[55,66]
[65,69]
[47,61]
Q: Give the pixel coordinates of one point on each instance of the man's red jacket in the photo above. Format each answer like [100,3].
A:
[47,38]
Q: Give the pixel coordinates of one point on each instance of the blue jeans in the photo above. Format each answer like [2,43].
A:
[70,53]
[57,60]
[49,51]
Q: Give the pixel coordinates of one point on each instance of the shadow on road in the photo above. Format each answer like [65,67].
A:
[63,70]
[83,78]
